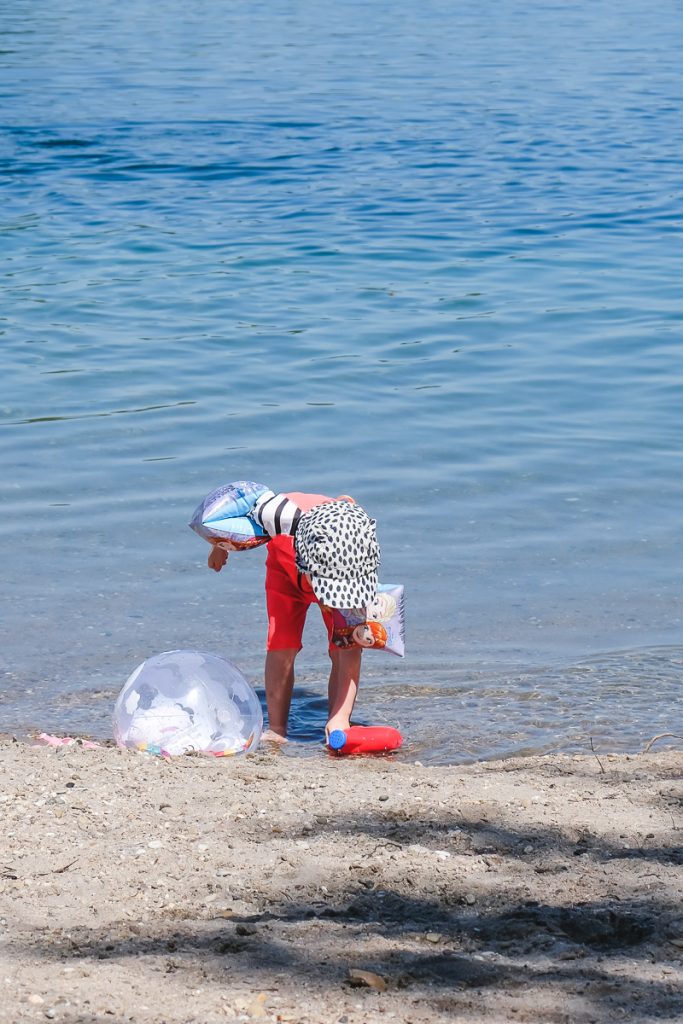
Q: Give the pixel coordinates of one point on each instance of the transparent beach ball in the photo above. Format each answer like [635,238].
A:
[185,701]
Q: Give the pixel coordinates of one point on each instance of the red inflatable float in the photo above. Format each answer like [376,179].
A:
[364,739]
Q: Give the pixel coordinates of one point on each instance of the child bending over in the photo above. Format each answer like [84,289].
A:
[322,551]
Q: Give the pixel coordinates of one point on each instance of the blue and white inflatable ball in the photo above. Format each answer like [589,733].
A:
[183,702]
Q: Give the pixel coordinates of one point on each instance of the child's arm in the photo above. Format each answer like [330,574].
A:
[217,558]
[276,513]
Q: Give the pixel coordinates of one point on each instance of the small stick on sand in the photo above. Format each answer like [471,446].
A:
[661,736]
[602,767]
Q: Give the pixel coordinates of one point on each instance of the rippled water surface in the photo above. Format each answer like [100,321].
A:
[429,255]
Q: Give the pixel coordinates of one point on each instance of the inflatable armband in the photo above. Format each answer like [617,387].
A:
[380,626]
[222,517]
[364,739]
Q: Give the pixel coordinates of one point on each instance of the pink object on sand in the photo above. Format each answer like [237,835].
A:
[65,741]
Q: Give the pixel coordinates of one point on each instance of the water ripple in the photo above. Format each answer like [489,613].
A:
[438,270]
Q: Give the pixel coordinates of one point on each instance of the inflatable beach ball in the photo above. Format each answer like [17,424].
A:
[180,702]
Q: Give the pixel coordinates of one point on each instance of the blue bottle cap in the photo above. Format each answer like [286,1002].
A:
[337,739]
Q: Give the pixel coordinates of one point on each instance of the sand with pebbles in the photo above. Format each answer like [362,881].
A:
[278,888]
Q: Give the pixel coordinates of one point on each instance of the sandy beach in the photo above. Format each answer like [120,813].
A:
[278,888]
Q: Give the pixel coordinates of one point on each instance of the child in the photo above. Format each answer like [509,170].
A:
[322,551]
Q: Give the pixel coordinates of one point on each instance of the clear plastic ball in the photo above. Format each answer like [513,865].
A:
[180,702]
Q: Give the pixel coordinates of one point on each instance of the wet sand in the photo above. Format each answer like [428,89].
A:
[274,888]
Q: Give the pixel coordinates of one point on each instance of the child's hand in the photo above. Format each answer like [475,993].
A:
[217,558]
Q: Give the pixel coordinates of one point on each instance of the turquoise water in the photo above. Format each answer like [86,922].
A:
[427,255]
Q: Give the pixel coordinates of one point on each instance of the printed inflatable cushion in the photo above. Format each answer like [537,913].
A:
[378,627]
[222,517]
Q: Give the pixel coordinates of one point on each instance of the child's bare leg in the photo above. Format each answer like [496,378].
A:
[343,686]
[279,680]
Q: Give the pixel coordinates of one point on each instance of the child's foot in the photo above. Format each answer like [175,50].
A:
[273,737]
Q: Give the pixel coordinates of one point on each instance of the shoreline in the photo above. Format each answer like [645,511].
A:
[482,714]
[310,748]
[273,888]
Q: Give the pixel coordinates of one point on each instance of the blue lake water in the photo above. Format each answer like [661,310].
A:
[429,255]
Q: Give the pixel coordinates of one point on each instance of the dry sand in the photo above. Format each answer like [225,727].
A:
[541,889]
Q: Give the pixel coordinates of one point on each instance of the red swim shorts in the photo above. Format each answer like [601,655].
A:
[288,597]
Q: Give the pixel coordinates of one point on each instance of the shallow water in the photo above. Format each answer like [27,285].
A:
[430,257]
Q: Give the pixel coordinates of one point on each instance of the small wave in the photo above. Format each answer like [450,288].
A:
[96,415]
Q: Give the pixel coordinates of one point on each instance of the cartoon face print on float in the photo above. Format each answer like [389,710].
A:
[370,634]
